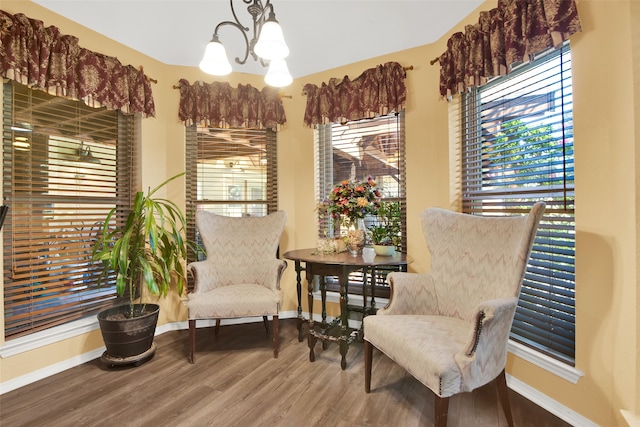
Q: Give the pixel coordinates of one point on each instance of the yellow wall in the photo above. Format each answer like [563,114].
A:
[605,118]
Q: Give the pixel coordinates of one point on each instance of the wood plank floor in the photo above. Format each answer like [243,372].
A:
[237,382]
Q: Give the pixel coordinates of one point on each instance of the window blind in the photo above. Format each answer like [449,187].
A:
[355,150]
[517,148]
[231,172]
[65,165]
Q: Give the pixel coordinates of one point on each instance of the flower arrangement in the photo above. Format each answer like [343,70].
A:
[352,200]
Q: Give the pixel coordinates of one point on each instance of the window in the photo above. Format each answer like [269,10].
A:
[65,165]
[231,172]
[517,148]
[358,149]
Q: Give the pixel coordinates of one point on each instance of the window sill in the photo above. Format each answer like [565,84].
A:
[545,362]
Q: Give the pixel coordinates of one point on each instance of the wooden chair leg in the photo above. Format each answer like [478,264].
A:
[217,329]
[368,357]
[276,340]
[192,341]
[441,412]
[503,394]
[266,324]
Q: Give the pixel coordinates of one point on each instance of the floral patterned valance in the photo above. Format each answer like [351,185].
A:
[217,104]
[507,35]
[42,58]
[377,91]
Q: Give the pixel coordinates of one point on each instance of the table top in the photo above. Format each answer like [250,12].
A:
[346,259]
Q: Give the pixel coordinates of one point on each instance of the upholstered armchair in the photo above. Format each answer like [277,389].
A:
[240,276]
[449,328]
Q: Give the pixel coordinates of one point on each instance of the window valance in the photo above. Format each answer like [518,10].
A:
[217,104]
[42,58]
[377,91]
[505,36]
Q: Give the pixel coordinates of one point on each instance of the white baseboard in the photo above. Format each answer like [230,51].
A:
[631,418]
[516,385]
[20,346]
[40,374]
[548,403]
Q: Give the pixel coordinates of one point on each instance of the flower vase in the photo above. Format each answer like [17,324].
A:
[356,237]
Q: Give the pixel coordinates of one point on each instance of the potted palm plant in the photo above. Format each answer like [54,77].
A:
[385,231]
[149,247]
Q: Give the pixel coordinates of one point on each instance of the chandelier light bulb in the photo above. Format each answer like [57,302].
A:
[265,44]
[278,74]
[215,59]
[271,44]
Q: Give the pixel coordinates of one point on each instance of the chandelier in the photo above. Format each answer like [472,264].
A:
[266,45]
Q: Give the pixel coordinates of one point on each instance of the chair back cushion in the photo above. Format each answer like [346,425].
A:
[475,259]
[242,249]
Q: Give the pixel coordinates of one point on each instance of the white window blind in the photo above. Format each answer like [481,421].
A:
[517,148]
[356,150]
[65,165]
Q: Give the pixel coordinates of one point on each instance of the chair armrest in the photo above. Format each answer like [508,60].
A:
[279,266]
[411,293]
[485,355]
[203,273]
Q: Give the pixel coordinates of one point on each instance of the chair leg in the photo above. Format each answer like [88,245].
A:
[217,329]
[368,357]
[192,341]
[276,340]
[266,324]
[503,394]
[442,410]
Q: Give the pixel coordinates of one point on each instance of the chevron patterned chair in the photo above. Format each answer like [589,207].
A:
[241,275]
[449,328]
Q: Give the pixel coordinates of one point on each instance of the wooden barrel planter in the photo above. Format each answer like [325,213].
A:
[129,340]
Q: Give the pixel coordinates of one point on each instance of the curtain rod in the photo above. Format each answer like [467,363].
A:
[150,79]
[280,95]
[409,68]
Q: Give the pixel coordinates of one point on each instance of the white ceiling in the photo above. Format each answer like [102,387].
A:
[321,34]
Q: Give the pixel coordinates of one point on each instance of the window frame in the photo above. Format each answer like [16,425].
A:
[104,178]
[325,179]
[198,180]
[558,222]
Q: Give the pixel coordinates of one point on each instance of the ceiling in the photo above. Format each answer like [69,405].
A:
[321,34]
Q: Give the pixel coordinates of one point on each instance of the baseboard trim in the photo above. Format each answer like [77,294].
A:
[56,368]
[516,385]
[632,419]
[548,403]
[87,326]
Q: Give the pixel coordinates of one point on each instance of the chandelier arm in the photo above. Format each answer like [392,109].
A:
[257,12]
[243,30]
[262,13]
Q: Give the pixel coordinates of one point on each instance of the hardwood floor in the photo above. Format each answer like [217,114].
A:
[237,382]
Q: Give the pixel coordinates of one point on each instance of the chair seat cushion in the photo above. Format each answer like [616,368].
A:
[424,345]
[238,300]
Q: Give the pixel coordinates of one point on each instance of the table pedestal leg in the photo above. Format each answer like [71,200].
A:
[311,340]
[344,317]
[323,297]
[299,291]
[344,346]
